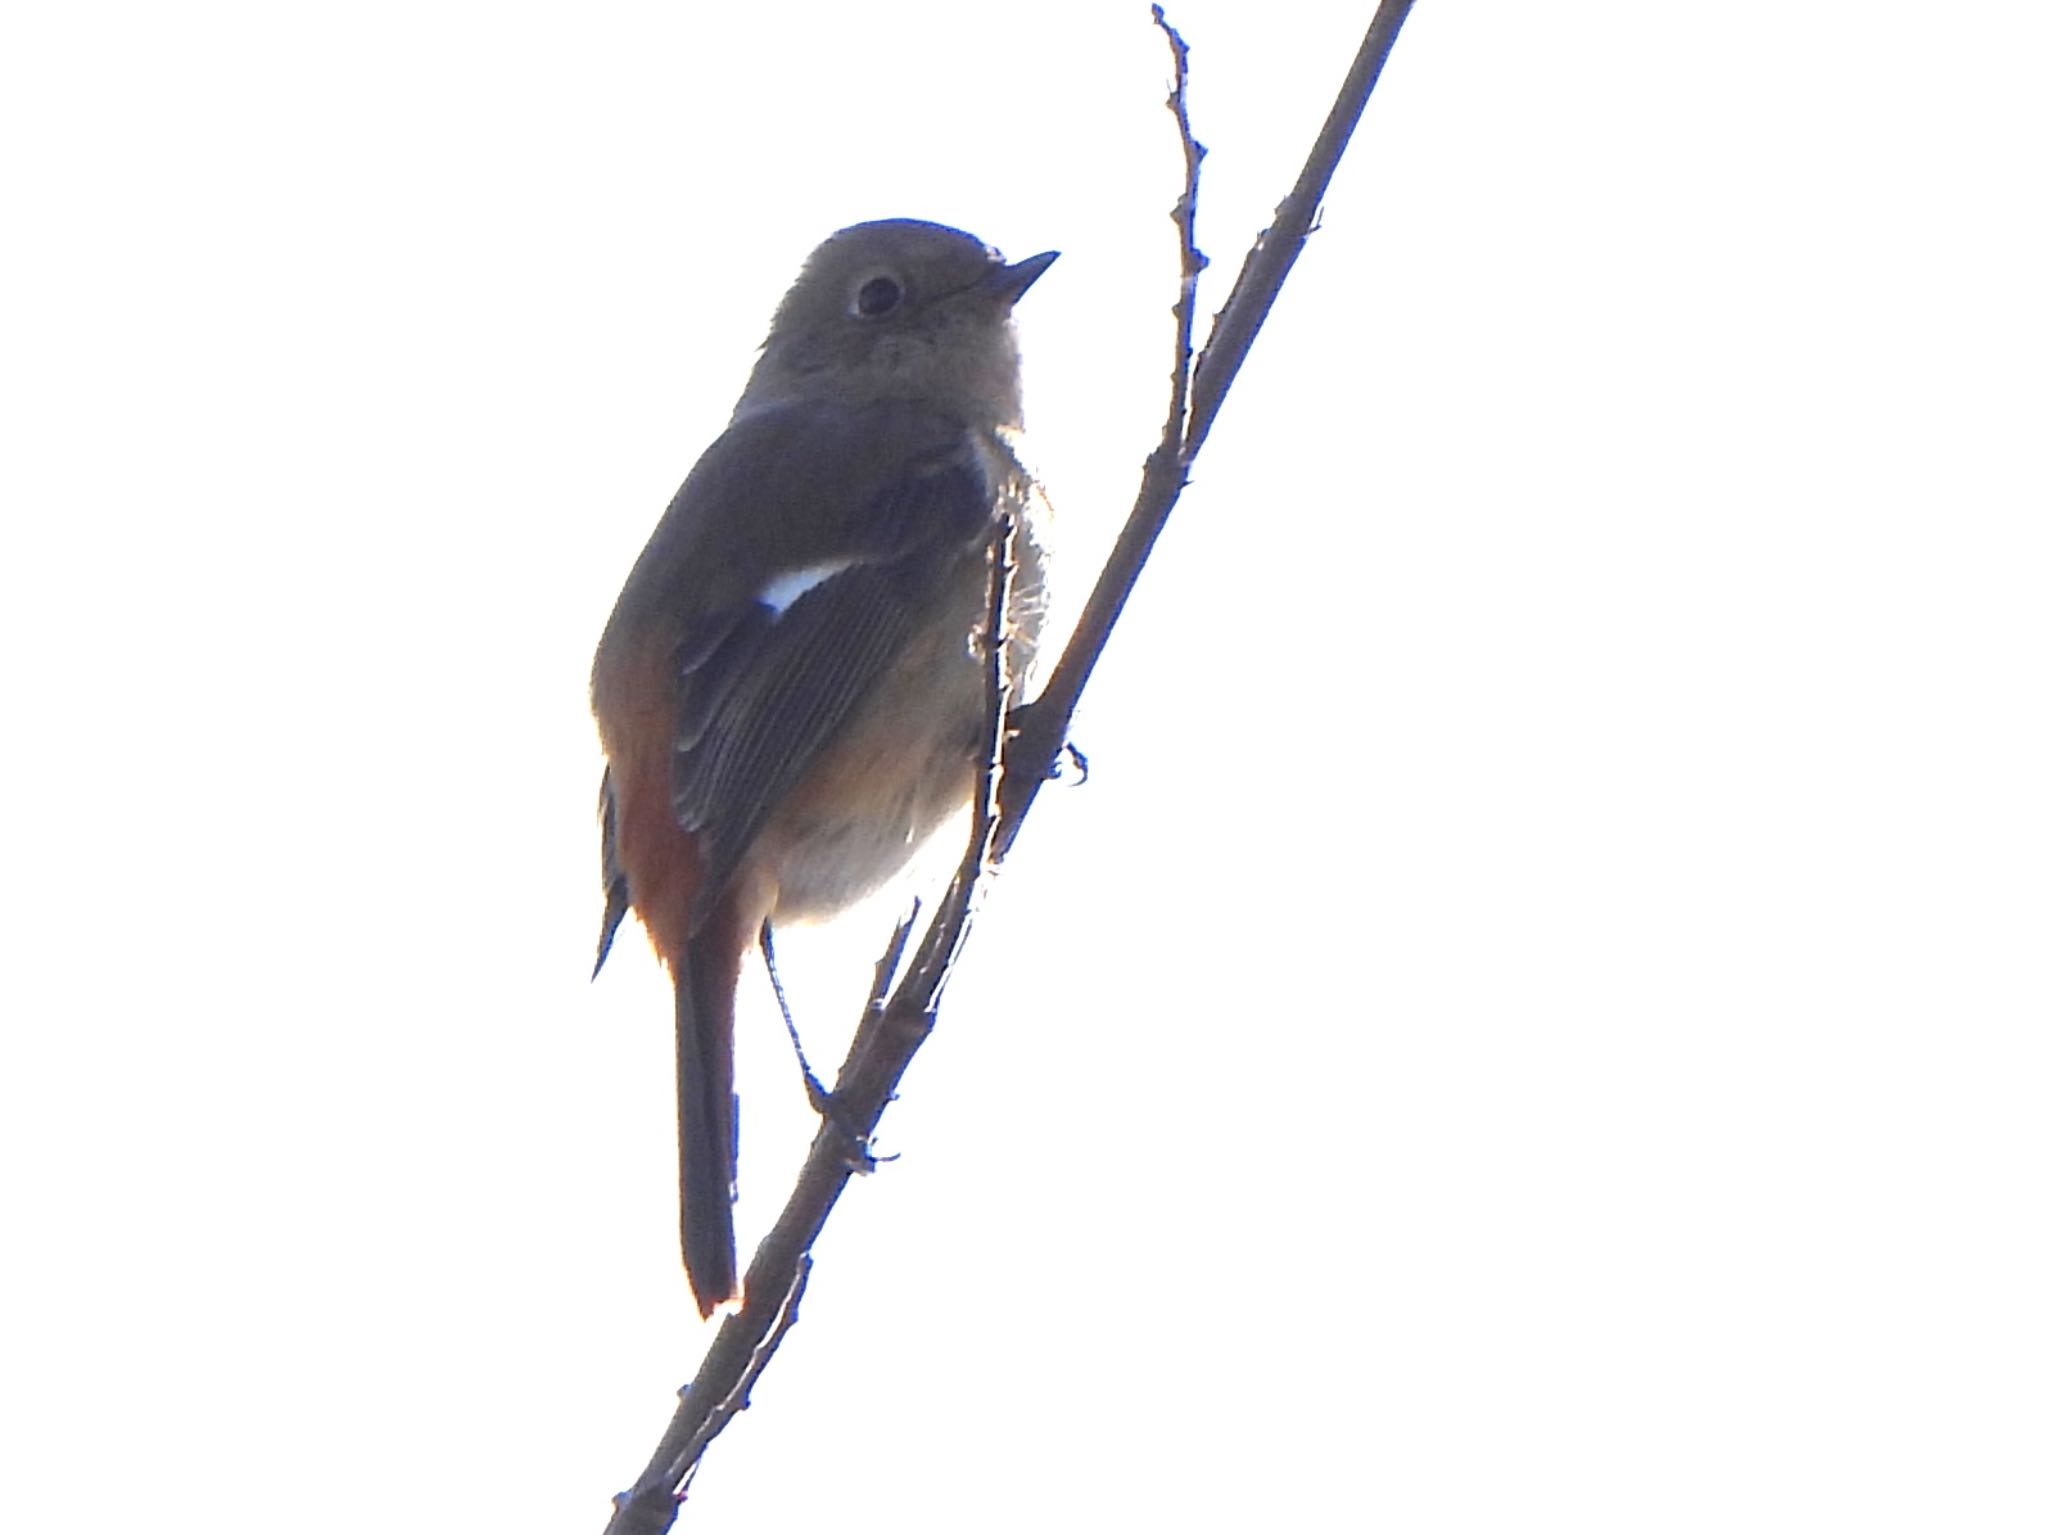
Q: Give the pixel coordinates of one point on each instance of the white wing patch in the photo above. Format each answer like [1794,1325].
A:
[781,592]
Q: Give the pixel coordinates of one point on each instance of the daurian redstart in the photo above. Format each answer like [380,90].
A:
[789,691]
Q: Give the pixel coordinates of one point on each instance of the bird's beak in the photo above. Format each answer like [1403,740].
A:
[1007,283]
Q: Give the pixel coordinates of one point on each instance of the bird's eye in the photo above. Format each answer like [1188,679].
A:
[876,297]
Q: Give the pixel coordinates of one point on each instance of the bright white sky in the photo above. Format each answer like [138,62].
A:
[1536,1021]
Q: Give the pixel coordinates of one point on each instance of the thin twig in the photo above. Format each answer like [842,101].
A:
[1042,732]
[882,1047]
[1192,262]
[690,1456]
[1020,754]
[1042,728]
[1272,256]
[891,959]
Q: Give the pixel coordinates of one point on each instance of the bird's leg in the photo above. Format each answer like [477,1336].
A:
[822,1102]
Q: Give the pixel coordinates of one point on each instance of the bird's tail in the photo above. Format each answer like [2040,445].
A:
[707,1112]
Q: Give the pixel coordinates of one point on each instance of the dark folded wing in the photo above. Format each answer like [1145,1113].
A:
[765,685]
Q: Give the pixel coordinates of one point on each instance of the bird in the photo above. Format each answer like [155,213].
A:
[789,691]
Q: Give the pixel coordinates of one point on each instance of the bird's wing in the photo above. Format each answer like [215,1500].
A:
[856,521]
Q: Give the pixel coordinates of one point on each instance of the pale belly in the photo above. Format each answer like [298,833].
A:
[909,760]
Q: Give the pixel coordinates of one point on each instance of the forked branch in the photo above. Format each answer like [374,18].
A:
[1022,749]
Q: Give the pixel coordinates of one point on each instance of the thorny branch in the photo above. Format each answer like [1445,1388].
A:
[1022,748]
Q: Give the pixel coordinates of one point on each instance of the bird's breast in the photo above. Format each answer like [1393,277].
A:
[908,759]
